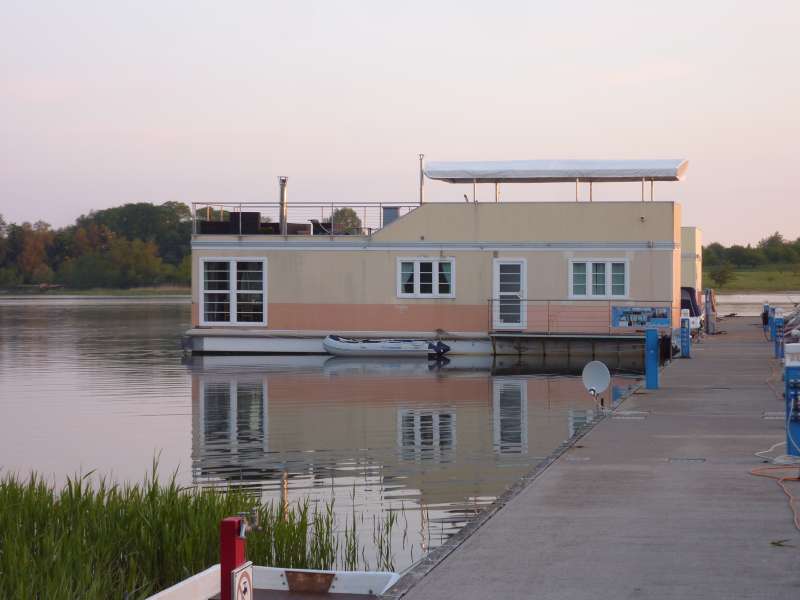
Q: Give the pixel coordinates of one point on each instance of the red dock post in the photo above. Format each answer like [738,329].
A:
[231,552]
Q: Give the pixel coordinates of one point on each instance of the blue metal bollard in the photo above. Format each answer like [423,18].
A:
[651,358]
[686,338]
[771,323]
[778,336]
[791,376]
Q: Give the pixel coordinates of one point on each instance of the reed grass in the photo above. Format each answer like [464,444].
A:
[94,539]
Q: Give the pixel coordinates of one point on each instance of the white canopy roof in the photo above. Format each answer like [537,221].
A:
[541,171]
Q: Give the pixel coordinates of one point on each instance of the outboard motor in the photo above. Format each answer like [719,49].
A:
[438,349]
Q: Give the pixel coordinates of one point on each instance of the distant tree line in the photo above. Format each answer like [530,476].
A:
[132,245]
[773,253]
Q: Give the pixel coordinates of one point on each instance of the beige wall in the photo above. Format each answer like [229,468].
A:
[692,257]
[328,287]
[540,221]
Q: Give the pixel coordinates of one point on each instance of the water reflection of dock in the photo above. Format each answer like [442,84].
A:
[438,429]
[436,441]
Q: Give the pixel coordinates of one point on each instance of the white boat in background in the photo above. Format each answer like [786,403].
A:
[342,346]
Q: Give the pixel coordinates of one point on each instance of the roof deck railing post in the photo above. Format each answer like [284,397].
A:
[642,189]
[283,207]
[652,185]
[576,189]
[496,192]
[474,191]
[590,191]
[421,180]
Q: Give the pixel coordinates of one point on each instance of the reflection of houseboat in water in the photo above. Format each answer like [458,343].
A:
[505,278]
[435,435]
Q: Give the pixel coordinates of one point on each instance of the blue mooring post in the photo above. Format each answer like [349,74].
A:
[651,358]
[765,310]
[791,377]
[778,336]
[686,338]
[771,323]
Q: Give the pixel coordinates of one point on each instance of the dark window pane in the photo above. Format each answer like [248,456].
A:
[618,279]
[445,277]
[216,276]
[249,275]
[216,308]
[407,277]
[598,279]
[426,278]
[249,308]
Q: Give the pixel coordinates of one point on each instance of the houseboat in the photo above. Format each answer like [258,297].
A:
[482,277]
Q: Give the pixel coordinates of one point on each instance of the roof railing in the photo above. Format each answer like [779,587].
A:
[301,218]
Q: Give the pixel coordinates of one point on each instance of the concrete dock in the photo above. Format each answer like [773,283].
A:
[654,502]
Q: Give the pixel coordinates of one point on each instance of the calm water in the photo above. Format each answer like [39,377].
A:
[750,305]
[97,384]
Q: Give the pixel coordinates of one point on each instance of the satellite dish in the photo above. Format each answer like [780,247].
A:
[596,377]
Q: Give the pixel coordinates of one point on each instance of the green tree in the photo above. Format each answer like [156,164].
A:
[713,254]
[3,242]
[777,250]
[169,226]
[722,274]
[89,271]
[345,220]
[745,256]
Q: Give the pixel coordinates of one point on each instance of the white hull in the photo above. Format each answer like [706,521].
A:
[378,348]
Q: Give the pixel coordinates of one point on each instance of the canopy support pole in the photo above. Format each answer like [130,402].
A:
[496,192]
[421,181]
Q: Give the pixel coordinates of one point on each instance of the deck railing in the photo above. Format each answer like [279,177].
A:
[303,218]
[577,316]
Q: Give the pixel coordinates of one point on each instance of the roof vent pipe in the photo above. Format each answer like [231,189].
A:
[283,204]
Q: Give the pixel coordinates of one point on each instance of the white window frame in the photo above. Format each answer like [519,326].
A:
[589,269]
[420,259]
[232,291]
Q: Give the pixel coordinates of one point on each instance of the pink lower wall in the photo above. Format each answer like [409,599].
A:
[378,317]
[567,318]
[572,318]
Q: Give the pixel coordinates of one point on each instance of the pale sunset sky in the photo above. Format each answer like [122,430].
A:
[106,102]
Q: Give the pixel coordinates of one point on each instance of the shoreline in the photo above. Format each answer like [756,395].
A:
[168,293]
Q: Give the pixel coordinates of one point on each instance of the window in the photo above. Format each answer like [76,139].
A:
[233,292]
[426,277]
[510,415]
[233,418]
[425,434]
[598,279]
[579,279]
